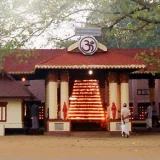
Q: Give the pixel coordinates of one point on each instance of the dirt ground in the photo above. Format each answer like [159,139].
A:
[80,145]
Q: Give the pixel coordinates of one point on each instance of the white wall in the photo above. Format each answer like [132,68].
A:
[14,113]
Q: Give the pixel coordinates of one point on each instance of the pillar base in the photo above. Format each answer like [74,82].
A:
[56,125]
[115,126]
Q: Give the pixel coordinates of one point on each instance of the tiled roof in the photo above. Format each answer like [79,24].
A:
[12,89]
[147,70]
[52,58]
[9,88]
[110,59]
[12,65]
[37,87]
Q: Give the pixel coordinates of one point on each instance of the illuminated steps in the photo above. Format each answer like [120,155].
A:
[84,107]
[88,118]
[91,109]
[86,102]
[86,111]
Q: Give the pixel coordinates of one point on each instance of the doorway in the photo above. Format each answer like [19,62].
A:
[27,114]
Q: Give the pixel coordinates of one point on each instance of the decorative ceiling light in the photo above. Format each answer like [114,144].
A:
[90,72]
[23,79]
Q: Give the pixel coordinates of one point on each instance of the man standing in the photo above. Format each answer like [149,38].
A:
[34,115]
[149,117]
[125,115]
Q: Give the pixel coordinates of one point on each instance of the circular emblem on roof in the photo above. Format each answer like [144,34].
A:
[88,45]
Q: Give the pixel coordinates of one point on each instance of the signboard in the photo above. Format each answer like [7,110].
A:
[59,126]
[87,31]
[88,45]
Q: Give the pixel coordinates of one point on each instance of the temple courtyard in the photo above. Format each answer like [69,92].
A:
[81,145]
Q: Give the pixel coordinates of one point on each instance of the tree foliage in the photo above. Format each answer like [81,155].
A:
[128,23]
[120,20]
[24,20]
[125,24]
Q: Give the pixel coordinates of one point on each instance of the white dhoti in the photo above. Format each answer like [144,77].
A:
[149,123]
[125,128]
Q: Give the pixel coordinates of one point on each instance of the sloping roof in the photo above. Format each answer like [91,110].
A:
[107,60]
[9,88]
[13,66]
[37,87]
[5,76]
[54,58]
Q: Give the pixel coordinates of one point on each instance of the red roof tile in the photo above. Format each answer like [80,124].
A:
[12,89]
[12,65]
[110,59]
[9,88]
[52,58]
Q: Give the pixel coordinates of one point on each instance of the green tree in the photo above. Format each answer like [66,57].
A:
[127,23]
[23,20]
[119,20]
[130,24]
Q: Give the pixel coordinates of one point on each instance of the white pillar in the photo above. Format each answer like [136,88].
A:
[113,92]
[119,99]
[51,95]
[124,79]
[107,108]
[107,92]
[157,93]
[64,92]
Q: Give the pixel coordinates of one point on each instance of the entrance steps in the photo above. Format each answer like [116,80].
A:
[86,102]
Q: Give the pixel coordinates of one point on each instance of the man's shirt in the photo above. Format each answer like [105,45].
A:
[125,112]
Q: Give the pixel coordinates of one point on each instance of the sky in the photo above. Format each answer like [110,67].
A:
[64,31]
[22,14]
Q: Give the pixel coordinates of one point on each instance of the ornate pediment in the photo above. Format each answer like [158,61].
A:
[87,45]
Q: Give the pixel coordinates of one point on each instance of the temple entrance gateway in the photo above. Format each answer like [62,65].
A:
[86,99]
[71,94]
